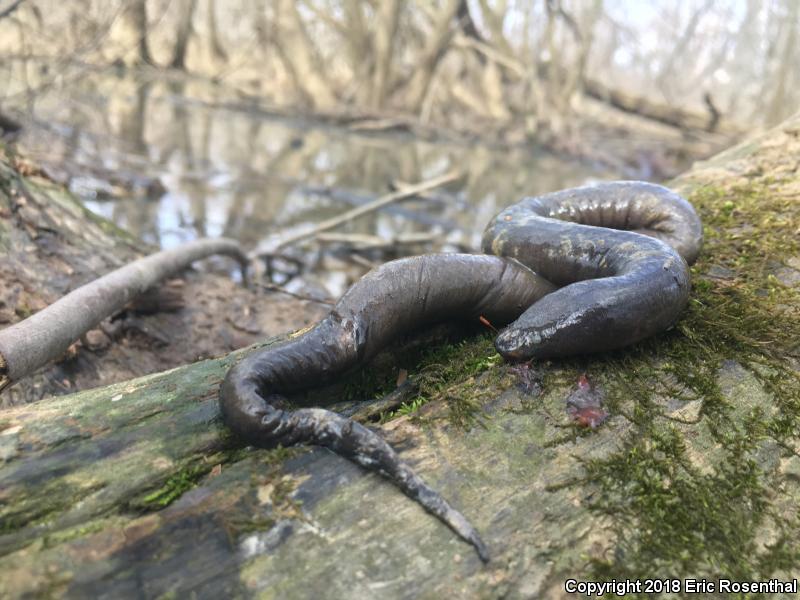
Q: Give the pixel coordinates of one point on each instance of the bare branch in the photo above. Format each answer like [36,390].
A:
[32,343]
[10,9]
[438,41]
[368,208]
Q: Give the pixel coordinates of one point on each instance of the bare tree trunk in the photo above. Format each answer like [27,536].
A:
[10,9]
[747,40]
[777,106]
[680,48]
[217,50]
[357,38]
[384,42]
[438,42]
[183,34]
[493,18]
[138,17]
[494,92]
[584,38]
[298,55]
[546,89]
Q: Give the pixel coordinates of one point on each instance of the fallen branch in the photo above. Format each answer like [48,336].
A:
[663,113]
[514,65]
[383,124]
[362,262]
[358,199]
[406,192]
[360,241]
[270,258]
[271,287]
[46,335]
[373,411]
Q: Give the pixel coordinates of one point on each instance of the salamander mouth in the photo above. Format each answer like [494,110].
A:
[516,345]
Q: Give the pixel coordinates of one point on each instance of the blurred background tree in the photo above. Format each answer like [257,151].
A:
[521,68]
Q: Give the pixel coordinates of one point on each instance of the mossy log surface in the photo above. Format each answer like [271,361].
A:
[136,490]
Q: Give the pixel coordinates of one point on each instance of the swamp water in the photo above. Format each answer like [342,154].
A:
[194,162]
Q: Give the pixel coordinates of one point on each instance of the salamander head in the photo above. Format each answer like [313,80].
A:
[519,343]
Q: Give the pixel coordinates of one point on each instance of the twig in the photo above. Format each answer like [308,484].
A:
[276,288]
[368,208]
[361,261]
[380,124]
[391,401]
[358,199]
[511,63]
[360,241]
[46,335]
[270,257]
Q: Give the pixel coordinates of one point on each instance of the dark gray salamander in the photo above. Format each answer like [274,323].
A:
[618,287]
[396,298]
[619,249]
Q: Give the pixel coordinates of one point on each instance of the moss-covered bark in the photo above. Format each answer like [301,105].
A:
[134,489]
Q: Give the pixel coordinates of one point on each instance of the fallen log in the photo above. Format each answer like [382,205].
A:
[136,489]
[674,116]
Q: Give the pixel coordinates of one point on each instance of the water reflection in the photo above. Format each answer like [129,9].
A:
[251,177]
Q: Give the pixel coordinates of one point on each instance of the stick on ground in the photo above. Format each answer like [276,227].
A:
[32,343]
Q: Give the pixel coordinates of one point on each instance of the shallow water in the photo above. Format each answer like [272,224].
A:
[254,177]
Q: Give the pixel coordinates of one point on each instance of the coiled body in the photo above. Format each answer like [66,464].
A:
[566,273]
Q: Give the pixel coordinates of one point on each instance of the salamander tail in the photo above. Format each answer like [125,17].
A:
[365,447]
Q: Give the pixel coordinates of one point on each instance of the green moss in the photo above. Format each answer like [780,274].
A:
[462,375]
[180,481]
[277,456]
[407,409]
[373,382]
[81,531]
[48,500]
[444,371]
[675,513]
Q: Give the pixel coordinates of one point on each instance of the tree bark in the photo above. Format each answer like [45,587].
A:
[217,49]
